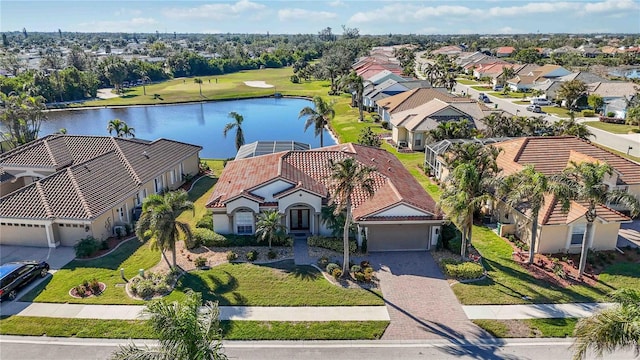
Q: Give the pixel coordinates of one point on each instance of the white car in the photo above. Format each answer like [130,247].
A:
[540,101]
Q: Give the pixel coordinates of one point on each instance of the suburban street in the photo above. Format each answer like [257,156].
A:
[20,348]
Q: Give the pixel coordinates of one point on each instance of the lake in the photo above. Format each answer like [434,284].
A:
[200,124]
[629,74]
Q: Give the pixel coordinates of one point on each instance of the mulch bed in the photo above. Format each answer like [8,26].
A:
[74,293]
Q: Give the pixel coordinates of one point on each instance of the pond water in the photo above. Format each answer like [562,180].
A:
[629,74]
[200,124]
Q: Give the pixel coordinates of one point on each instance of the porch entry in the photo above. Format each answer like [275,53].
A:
[299,219]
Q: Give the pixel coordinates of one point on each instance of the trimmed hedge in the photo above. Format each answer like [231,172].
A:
[331,243]
[588,113]
[210,238]
[206,221]
[462,270]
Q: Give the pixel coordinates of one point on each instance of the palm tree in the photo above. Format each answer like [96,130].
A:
[269,226]
[461,129]
[348,176]
[159,221]
[526,190]
[144,77]
[354,83]
[583,182]
[469,185]
[507,74]
[318,116]
[115,125]
[186,331]
[610,329]
[199,82]
[237,124]
[572,128]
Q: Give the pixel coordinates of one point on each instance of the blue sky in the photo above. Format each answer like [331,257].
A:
[292,17]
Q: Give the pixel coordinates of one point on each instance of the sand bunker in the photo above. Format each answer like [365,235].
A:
[258,84]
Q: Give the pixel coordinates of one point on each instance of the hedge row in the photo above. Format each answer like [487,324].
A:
[331,243]
[462,270]
[209,238]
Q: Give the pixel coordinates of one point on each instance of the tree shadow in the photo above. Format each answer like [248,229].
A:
[302,272]
[112,261]
[215,290]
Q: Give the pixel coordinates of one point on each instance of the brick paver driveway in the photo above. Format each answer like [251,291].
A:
[419,300]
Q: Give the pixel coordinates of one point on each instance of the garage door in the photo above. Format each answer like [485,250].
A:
[23,235]
[398,237]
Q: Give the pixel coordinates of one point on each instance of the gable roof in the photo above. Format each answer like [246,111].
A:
[621,89]
[505,50]
[309,170]
[414,98]
[425,117]
[99,172]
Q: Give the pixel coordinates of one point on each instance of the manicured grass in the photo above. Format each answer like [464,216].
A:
[482,87]
[199,194]
[522,102]
[278,284]
[131,256]
[509,95]
[231,330]
[508,282]
[466,82]
[554,328]
[612,128]
[559,111]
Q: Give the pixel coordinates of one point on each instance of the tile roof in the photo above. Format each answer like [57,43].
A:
[613,89]
[505,50]
[414,98]
[82,189]
[309,170]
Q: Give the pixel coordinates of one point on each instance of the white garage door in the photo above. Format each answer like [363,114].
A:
[23,234]
[398,237]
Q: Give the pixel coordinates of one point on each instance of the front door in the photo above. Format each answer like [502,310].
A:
[300,219]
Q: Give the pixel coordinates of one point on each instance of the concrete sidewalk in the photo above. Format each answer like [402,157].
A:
[532,311]
[242,313]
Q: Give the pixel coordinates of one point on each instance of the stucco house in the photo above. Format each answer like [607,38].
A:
[61,188]
[399,216]
[615,95]
[411,99]
[524,82]
[560,232]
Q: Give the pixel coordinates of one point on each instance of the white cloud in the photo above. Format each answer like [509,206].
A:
[611,6]
[305,15]
[214,11]
[133,24]
[337,3]
[508,30]
[128,12]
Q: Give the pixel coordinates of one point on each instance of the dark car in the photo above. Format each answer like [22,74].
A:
[15,275]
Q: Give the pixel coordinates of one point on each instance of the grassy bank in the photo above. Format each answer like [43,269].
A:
[534,328]
[612,128]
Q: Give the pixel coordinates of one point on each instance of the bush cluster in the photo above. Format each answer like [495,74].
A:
[272,254]
[152,284]
[362,272]
[462,270]
[231,255]
[332,266]
[252,255]
[518,243]
[331,243]
[588,113]
[207,237]
[86,247]
[200,261]
[206,221]
[87,286]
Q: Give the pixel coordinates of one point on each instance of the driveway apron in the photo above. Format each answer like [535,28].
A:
[420,301]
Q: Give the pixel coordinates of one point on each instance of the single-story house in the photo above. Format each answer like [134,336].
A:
[541,74]
[399,216]
[560,232]
[383,76]
[614,94]
[61,188]
[411,99]
[505,51]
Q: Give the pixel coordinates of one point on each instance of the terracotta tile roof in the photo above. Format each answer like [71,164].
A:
[414,98]
[309,170]
[88,187]
[505,50]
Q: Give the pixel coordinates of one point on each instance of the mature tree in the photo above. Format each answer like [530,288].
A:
[185,330]
[127,131]
[21,118]
[13,63]
[199,82]
[120,128]
[610,329]
[269,226]
[596,102]
[433,73]
[507,74]
[584,183]
[354,84]
[633,109]
[319,116]
[116,73]
[527,56]
[461,129]
[407,59]
[159,222]
[144,77]
[525,191]
[235,124]
[347,177]
[336,61]
[369,138]
[571,91]
[469,184]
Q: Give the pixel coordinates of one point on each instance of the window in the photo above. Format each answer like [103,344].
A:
[172,176]
[244,222]
[137,200]
[418,139]
[577,234]
[159,185]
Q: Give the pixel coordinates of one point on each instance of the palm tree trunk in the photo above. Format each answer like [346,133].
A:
[585,248]
[144,89]
[164,255]
[463,242]
[360,108]
[322,137]
[532,245]
[173,252]
[345,240]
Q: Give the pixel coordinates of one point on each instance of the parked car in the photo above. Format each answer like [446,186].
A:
[484,98]
[497,87]
[540,101]
[15,275]
[534,108]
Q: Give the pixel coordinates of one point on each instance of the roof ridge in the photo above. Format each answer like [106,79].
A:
[126,162]
[552,204]
[50,152]
[76,187]
[43,197]
[521,149]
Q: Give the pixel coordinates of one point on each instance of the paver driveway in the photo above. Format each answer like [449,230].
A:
[420,302]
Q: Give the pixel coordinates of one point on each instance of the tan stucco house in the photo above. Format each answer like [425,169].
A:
[62,188]
[399,216]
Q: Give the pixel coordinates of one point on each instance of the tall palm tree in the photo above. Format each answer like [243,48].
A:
[572,128]
[583,182]
[525,190]
[115,125]
[610,329]
[318,116]
[269,226]
[469,185]
[199,82]
[159,221]
[354,83]
[235,124]
[127,131]
[186,331]
[348,176]
[461,129]
[144,77]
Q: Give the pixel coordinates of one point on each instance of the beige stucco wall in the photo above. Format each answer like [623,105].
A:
[552,239]
[605,236]
[300,197]
[68,234]
[221,223]
[635,190]
[191,164]
[242,203]
[22,235]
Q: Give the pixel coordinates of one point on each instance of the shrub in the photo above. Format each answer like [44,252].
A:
[323,261]
[200,261]
[206,221]
[451,238]
[331,267]
[462,270]
[295,79]
[359,276]
[336,273]
[271,254]
[104,245]
[151,285]
[86,247]
[94,286]
[385,124]
[611,114]
[588,113]
[356,268]
[207,237]
[252,255]
[331,243]
[364,264]
[80,290]
[231,255]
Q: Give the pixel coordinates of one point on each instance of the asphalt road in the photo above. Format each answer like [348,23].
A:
[25,348]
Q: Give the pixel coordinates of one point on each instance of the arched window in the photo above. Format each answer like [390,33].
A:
[244,222]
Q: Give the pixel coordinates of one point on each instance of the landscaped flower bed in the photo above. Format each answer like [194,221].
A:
[88,288]
[152,284]
[462,270]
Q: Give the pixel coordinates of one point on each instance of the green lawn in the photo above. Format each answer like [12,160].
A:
[466,82]
[508,282]
[559,111]
[231,330]
[278,284]
[509,95]
[612,128]
[554,328]
[201,192]
[522,102]
[482,87]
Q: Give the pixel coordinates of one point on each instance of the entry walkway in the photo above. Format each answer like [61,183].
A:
[533,311]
